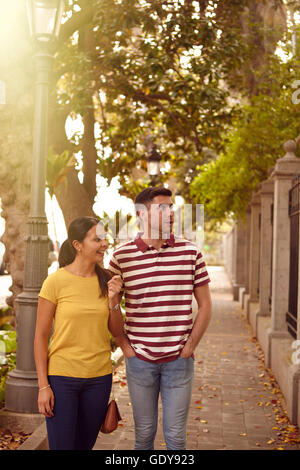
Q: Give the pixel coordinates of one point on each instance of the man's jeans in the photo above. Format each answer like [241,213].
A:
[174,380]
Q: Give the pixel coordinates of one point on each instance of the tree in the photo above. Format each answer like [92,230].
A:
[267,116]
[139,69]
[130,69]
[256,141]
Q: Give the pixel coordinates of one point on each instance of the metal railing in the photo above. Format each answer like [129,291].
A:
[294,209]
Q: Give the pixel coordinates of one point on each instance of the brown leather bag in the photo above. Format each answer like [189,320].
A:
[112,418]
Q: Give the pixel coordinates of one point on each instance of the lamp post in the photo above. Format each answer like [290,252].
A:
[153,165]
[22,387]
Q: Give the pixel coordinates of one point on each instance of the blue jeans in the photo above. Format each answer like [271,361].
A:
[174,380]
[79,410]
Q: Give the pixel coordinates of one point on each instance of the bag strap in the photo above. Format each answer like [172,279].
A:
[112,392]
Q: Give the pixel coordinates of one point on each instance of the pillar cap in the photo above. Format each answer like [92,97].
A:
[289,165]
[290,147]
[267,187]
[255,200]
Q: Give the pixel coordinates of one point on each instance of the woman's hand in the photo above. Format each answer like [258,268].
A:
[114,288]
[125,345]
[128,351]
[46,402]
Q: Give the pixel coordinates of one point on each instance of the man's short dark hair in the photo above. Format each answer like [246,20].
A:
[148,194]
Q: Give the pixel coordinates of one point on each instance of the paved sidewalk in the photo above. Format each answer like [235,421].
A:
[236,403]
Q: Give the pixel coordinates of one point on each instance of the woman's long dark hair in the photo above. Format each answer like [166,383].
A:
[78,229]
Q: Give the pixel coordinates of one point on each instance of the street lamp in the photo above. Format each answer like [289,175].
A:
[21,385]
[153,165]
[44,18]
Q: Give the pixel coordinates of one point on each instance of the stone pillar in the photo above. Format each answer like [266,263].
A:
[233,256]
[239,259]
[286,168]
[280,341]
[254,253]
[267,197]
[248,233]
[245,294]
[228,254]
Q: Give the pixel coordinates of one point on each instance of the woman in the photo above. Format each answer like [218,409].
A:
[75,372]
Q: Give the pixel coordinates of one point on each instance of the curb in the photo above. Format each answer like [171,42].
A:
[38,439]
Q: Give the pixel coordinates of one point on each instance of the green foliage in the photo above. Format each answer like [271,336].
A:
[8,342]
[254,144]
[8,346]
[153,69]
[6,314]
[57,168]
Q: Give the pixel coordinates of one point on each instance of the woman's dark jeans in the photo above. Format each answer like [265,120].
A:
[79,410]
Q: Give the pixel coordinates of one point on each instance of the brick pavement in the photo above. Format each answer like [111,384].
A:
[236,403]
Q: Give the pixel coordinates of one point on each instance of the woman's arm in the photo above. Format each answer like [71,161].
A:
[45,315]
[115,321]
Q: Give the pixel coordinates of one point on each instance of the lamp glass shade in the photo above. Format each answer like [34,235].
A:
[153,167]
[44,17]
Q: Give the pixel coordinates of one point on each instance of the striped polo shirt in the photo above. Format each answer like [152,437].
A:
[158,287]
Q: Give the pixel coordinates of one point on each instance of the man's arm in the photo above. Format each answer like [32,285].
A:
[202,296]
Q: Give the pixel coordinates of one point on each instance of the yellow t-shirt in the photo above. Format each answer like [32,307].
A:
[80,345]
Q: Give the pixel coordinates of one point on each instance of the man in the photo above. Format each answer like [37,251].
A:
[160,275]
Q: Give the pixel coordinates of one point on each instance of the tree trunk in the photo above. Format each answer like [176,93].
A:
[71,195]
[73,199]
